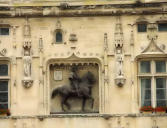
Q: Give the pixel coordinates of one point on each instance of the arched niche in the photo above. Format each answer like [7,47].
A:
[59,72]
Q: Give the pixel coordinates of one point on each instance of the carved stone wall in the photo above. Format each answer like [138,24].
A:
[97,37]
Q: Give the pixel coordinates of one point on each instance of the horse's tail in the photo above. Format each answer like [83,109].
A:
[55,92]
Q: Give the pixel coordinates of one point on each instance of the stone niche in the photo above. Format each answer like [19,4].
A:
[59,76]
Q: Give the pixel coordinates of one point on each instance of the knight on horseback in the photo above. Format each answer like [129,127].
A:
[75,80]
[80,87]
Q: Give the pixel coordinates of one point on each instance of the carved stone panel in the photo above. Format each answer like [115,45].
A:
[69,80]
[58,75]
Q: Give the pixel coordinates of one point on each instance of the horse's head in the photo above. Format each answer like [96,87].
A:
[90,78]
[71,76]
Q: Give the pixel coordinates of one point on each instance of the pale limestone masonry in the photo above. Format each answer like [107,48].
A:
[98,34]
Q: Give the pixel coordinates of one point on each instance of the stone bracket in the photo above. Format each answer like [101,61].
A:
[120,81]
[27,83]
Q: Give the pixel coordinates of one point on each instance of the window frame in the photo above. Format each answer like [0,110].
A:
[7,78]
[159,24]
[139,23]
[55,33]
[5,26]
[152,75]
[58,42]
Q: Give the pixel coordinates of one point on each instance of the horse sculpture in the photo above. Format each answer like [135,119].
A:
[79,87]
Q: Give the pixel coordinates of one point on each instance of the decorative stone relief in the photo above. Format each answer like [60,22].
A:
[27,83]
[119,80]
[141,19]
[3,52]
[73,37]
[163,18]
[131,35]
[58,24]
[70,72]
[27,64]
[152,37]
[119,123]
[155,124]
[14,28]
[152,31]
[64,6]
[27,29]
[58,75]
[153,48]
[27,59]
[118,35]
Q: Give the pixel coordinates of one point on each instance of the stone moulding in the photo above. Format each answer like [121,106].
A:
[106,116]
[84,10]
[86,116]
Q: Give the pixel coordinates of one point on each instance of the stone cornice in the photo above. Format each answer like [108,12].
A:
[105,116]
[66,10]
[71,2]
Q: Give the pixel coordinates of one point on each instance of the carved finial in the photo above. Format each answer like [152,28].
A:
[27,29]
[40,44]
[118,33]
[58,24]
[132,38]
[105,42]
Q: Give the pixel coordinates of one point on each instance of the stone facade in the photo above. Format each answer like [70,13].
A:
[97,36]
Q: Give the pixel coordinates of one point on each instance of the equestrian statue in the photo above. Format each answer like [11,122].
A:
[78,88]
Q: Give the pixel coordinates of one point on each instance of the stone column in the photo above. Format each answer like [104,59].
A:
[41,79]
[106,80]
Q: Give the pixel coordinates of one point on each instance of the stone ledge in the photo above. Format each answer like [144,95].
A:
[105,116]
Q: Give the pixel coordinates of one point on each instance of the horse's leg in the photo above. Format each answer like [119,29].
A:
[92,100]
[66,103]
[62,103]
[83,104]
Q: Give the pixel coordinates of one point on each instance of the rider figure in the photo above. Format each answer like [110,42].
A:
[74,80]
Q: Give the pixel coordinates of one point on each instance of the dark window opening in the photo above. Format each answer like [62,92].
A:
[3,94]
[162,27]
[4,31]
[142,27]
[3,69]
[58,37]
[4,81]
